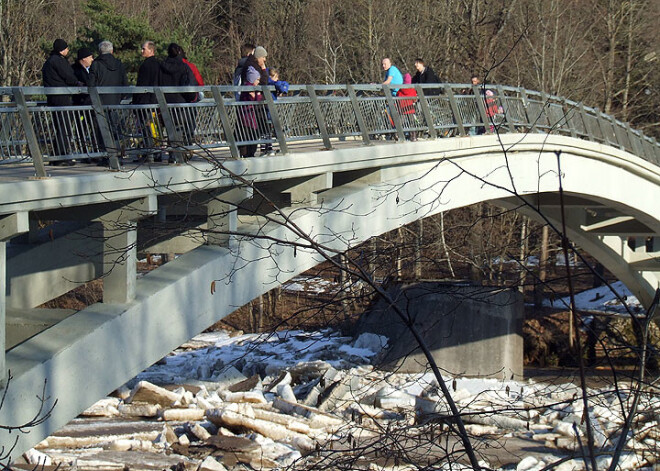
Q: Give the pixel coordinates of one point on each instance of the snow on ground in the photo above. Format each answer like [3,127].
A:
[320,388]
[601,299]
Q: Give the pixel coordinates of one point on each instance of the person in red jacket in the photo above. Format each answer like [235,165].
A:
[407,107]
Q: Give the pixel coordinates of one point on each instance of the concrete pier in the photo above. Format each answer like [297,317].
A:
[470,330]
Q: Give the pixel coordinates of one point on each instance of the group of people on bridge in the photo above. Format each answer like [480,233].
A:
[176,70]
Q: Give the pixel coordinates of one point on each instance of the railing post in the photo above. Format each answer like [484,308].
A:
[567,109]
[173,134]
[426,111]
[481,106]
[394,112]
[275,117]
[30,135]
[226,124]
[525,99]
[505,106]
[358,114]
[583,115]
[614,125]
[320,121]
[454,109]
[634,141]
[102,118]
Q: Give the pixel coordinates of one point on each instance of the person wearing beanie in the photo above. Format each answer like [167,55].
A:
[84,60]
[57,72]
[253,119]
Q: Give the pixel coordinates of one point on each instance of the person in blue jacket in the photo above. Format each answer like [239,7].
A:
[393,75]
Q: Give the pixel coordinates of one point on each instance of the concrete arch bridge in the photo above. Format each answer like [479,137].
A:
[348,167]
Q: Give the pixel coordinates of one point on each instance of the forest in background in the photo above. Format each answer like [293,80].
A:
[602,52]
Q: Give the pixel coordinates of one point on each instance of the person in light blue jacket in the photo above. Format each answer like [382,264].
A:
[393,75]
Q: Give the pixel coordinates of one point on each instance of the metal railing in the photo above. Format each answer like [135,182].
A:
[32,131]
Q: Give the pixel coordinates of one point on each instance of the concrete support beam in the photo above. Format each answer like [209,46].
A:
[120,249]
[13,225]
[621,225]
[298,191]
[119,262]
[3,311]
[10,226]
[222,215]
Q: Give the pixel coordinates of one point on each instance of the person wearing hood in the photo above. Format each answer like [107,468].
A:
[108,71]
[407,105]
[174,73]
[57,72]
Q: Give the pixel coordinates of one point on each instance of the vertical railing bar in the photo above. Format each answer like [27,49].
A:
[30,135]
[320,121]
[587,125]
[525,99]
[426,111]
[394,112]
[567,110]
[505,106]
[275,117]
[173,135]
[224,120]
[481,106]
[102,118]
[358,114]
[454,109]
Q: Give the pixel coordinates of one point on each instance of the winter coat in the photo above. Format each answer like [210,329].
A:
[174,73]
[57,72]
[238,71]
[108,71]
[83,77]
[428,76]
[406,106]
[195,79]
[148,76]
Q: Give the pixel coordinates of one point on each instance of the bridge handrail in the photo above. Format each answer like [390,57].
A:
[32,130]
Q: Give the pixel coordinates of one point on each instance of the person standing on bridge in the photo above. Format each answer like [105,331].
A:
[392,75]
[424,75]
[148,121]
[87,131]
[108,71]
[57,72]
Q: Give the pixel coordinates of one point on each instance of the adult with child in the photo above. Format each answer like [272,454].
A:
[253,118]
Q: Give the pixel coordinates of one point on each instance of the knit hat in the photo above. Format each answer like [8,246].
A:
[407,79]
[84,52]
[259,52]
[59,45]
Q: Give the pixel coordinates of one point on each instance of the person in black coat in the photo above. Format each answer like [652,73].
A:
[57,72]
[108,71]
[425,75]
[148,121]
[148,74]
[81,71]
[174,73]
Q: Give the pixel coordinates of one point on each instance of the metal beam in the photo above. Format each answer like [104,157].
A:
[622,225]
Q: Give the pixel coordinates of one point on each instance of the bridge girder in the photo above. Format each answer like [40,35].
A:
[390,187]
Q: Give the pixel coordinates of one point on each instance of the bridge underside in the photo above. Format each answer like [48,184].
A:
[334,200]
